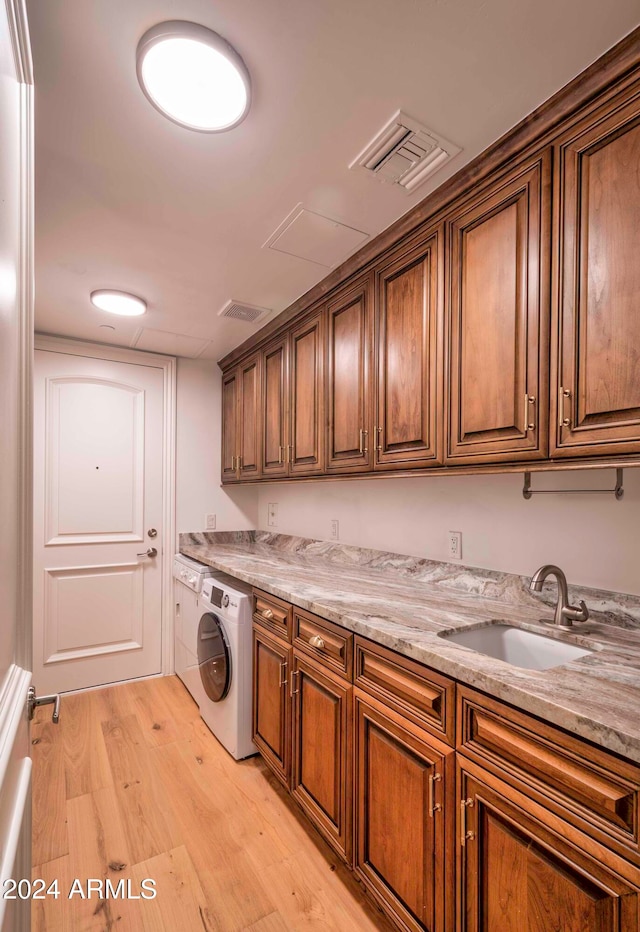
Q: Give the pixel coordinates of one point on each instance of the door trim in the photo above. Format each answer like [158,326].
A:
[21,47]
[15,784]
[167,364]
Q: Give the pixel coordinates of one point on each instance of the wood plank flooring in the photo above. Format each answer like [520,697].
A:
[132,785]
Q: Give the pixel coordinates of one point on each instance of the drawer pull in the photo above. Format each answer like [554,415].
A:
[465,835]
[316,641]
[266,613]
[283,674]
[433,806]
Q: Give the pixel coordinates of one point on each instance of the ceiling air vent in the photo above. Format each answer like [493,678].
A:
[246,312]
[405,153]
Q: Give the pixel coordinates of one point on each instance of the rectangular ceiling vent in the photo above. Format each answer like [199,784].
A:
[249,313]
[405,153]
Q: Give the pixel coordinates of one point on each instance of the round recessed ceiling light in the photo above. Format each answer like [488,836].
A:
[118,302]
[193,76]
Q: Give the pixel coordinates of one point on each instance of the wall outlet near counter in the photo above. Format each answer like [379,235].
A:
[454,544]
[272,514]
[209,522]
[335,529]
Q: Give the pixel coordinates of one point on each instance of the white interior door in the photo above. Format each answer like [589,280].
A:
[98,453]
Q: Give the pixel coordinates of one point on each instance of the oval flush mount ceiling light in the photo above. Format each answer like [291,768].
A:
[193,76]
[118,302]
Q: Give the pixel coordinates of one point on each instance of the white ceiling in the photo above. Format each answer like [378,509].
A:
[127,199]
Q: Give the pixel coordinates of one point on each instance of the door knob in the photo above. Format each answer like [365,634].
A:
[151,552]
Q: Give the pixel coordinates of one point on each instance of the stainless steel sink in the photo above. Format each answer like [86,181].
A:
[517,646]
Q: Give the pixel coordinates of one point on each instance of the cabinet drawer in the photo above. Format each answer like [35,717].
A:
[587,786]
[327,643]
[413,690]
[272,613]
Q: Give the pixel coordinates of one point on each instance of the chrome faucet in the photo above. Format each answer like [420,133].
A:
[565,614]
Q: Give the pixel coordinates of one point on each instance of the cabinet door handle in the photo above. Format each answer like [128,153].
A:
[266,613]
[233,464]
[294,692]
[563,395]
[465,835]
[433,805]
[283,673]
[316,641]
[378,431]
[290,454]
[529,419]
[280,456]
[238,463]
[363,434]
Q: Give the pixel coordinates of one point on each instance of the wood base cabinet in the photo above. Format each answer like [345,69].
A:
[455,810]
[321,771]
[522,869]
[402,847]
[271,705]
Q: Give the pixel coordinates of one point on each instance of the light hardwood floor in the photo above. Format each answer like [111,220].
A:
[131,784]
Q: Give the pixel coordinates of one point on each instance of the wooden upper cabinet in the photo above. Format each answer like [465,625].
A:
[498,320]
[249,418]
[408,312]
[596,403]
[306,398]
[349,340]
[230,382]
[274,409]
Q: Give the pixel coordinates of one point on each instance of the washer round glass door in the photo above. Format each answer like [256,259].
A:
[214,657]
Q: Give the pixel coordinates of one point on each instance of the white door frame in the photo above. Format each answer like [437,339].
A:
[167,364]
[15,760]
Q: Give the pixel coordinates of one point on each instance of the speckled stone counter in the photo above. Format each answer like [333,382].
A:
[405,603]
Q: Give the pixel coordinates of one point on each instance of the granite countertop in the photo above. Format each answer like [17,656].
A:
[405,602]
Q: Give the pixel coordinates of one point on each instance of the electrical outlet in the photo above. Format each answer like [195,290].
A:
[272,514]
[454,543]
[335,529]
[210,522]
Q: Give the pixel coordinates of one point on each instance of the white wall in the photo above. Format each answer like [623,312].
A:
[594,538]
[199,428]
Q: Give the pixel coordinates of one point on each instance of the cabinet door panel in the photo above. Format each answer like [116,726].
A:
[498,320]
[598,400]
[408,314]
[271,705]
[230,426]
[401,852]
[321,778]
[274,409]
[518,874]
[249,419]
[349,322]
[307,398]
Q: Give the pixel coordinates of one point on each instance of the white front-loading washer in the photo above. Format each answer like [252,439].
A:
[188,577]
[223,649]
